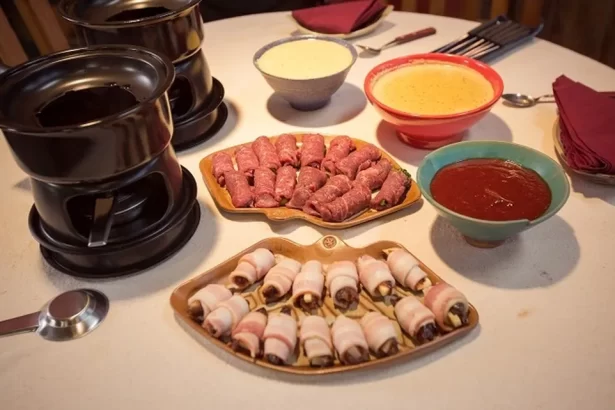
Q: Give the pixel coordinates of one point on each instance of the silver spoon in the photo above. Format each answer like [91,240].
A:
[406,38]
[68,316]
[524,100]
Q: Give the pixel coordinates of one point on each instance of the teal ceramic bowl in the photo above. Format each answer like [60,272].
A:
[479,232]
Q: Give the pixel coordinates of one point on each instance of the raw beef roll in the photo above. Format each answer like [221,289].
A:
[223,319]
[393,190]
[251,268]
[380,334]
[266,153]
[264,188]
[238,187]
[349,341]
[310,179]
[315,337]
[406,269]
[374,176]
[279,280]
[285,182]
[312,150]
[206,300]
[375,276]
[343,283]
[280,337]
[349,204]
[415,319]
[358,160]
[335,187]
[249,332]
[449,305]
[286,147]
[339,148]
[247,161]
[221,163]
[308,286]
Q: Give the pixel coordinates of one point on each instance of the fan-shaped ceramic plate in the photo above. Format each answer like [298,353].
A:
[357,33]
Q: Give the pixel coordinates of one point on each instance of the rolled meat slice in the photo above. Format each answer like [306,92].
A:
[279,280]
[349,341]
[343,283]
[315,337]
[335,187]
[249,332]
[310,179]
[252,267]
[308,286]
[246,160]
[375,276]
[205,300]
[380,334]
[406,269]
[266,153]
[280,337]
[351,203]
[449,305]
[286,147]
[264,188]
[238,187]
[221,162]
[415,319]
[223,319]
[393,190]
[285,181]
[339,148]
[374,176]
[358,160]
[312,150]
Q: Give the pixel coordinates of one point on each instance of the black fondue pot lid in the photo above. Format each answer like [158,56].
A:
[97,13]
[25,89]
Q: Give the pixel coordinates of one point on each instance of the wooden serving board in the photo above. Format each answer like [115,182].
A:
[223,199]
[327,250]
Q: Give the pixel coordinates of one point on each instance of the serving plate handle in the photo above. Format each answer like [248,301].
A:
[330,244]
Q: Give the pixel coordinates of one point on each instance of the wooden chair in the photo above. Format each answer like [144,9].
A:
[525,11]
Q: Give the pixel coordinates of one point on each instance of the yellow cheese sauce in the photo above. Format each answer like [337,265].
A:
[432,89]
[305,59]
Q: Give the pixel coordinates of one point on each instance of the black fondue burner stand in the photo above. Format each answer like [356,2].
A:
[92,128]
[173,28]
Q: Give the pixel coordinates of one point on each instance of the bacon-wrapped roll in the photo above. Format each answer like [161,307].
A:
[406,269]
[249,332]
[279,280]
[252,267]
[349,341]
[308,286]
[315,337]
[380,334]
[415,319]
[375,276]
[206,300]
[343,283]
[223,319]
[449,305]
[280,337]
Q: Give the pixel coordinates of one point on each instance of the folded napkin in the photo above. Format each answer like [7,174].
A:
[340,18]
[587,126]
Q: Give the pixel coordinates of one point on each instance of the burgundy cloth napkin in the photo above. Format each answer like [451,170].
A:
[340,18]
[587,126]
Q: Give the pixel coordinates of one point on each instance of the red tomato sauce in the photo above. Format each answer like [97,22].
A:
[491,189]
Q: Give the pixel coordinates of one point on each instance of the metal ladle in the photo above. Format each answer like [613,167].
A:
[524,100]
[68,316]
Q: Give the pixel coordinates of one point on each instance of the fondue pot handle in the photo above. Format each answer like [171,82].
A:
[3,68]
[102,221]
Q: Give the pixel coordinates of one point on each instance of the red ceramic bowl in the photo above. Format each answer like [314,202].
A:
[432,131]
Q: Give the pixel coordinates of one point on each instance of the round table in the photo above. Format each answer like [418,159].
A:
[544,340]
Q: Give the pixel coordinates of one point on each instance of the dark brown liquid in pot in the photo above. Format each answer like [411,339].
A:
[82,106]
[491,189]
[136,14]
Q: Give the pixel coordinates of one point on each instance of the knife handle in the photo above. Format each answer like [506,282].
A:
[415,35]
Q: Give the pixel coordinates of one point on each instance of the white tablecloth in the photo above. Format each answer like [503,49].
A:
[545,338]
